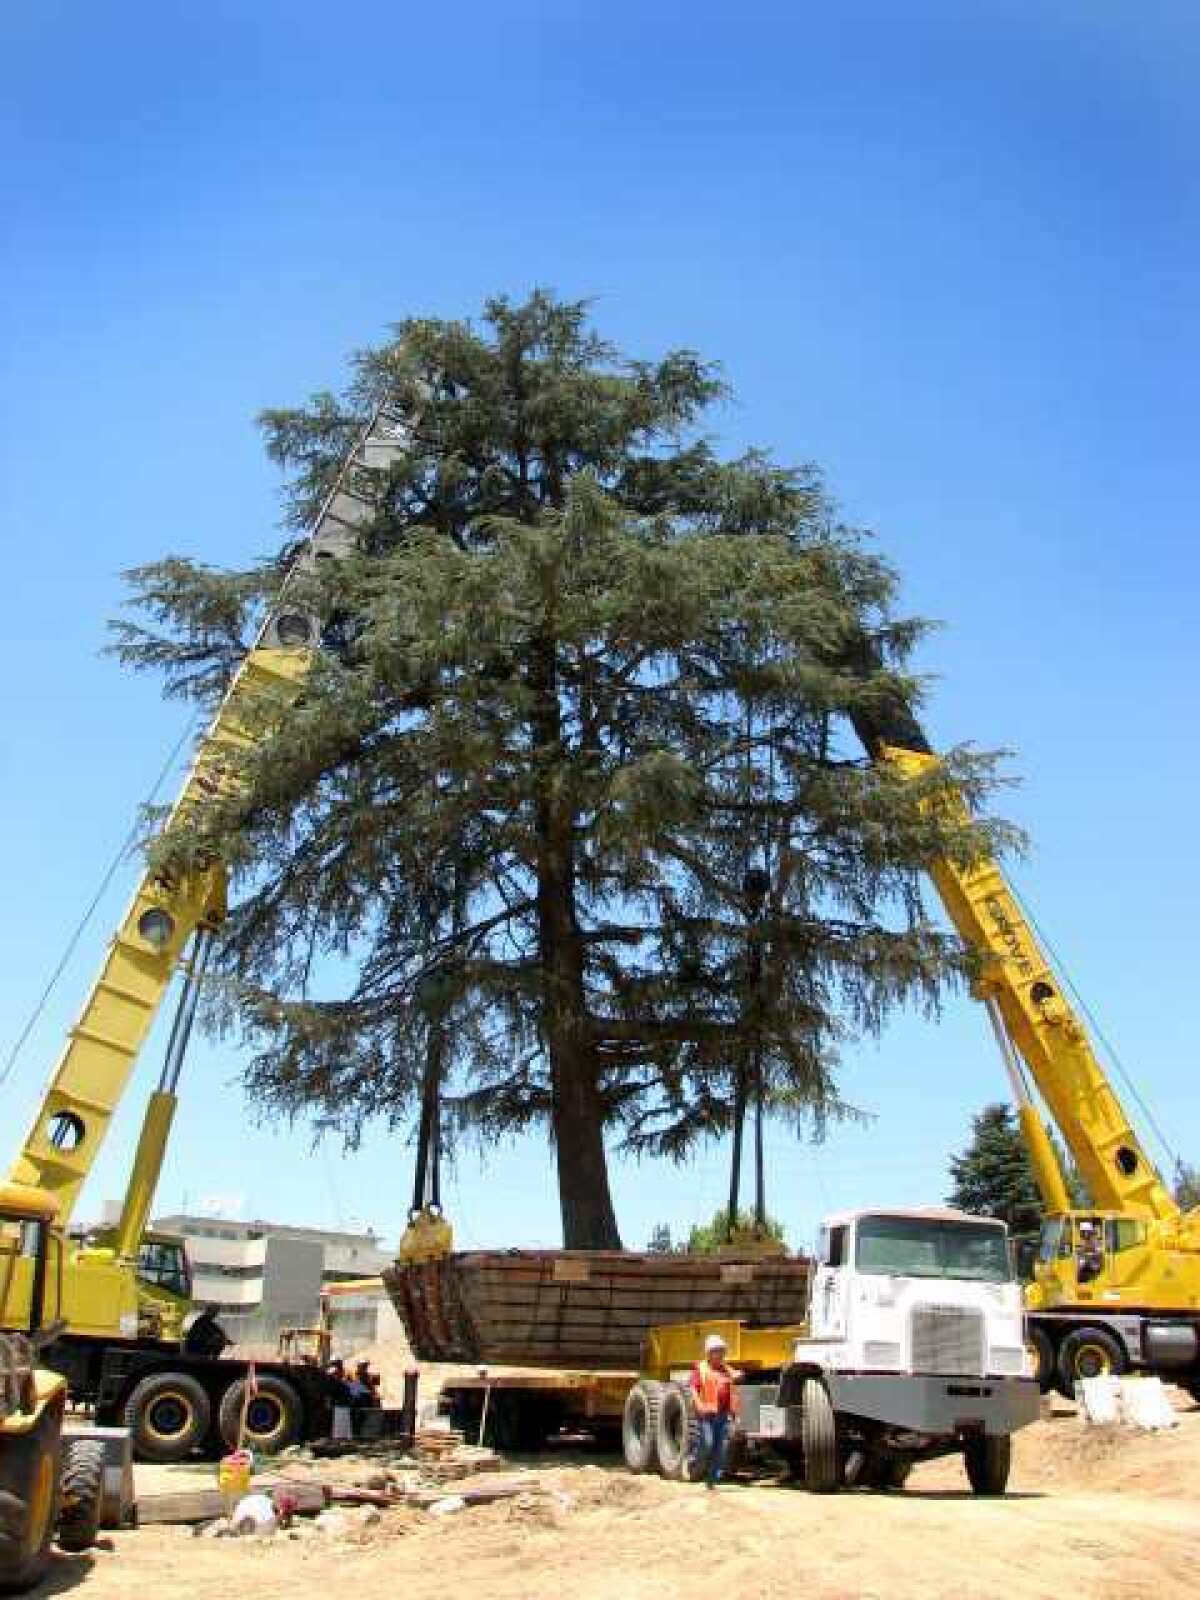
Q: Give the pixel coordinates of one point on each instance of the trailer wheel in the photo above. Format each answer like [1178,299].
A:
[1089,1353]
[274,1415]
[987,1458]
[82,1491]
[678,1438]
[168,1415]
[1041,1358]
[818,1437]
[639,1424]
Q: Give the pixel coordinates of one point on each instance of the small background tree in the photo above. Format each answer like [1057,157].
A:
[1187,1186]
[993,1177]
[707,1238]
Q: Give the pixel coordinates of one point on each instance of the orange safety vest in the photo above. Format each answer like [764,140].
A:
[715,1391]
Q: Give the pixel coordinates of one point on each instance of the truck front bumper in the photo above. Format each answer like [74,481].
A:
[937,1405]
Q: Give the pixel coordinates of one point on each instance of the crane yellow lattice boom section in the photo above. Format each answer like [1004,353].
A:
[1045,1028]
[121,1005]
[166,911]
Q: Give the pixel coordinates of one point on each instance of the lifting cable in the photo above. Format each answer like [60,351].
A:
[110,873]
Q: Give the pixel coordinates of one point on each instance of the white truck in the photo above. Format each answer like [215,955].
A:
[914,1348]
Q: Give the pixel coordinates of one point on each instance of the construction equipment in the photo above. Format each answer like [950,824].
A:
[45,1482]
[912,1349]
[129,1346]
[1116,1284]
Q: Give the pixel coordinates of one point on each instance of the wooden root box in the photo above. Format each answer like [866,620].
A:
[577,1308]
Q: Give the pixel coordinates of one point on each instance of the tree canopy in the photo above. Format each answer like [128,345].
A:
[570,807]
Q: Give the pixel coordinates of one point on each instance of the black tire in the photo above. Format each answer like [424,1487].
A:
[987,1458]
[1089,1353]
[818,1438]
[81,1484]
[678,1446]
[888,1472]
[29,1472]
[274,1417]
[168,1415]
[639,1425]
[1042,1359]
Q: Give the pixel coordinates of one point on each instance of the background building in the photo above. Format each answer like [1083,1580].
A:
[264,1276]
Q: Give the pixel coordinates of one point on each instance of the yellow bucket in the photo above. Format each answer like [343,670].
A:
[233,1477]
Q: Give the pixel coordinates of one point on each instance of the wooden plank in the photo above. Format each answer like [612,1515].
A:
[205,1505]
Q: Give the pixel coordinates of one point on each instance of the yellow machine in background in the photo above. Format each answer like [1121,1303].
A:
[1117,1284]
[46,1483]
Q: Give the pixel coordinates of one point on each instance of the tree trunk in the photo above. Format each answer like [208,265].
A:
[577,1119]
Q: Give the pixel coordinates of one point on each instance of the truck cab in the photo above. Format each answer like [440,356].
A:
[919,1291]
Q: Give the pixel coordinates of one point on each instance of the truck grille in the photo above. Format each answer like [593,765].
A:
[947,1339]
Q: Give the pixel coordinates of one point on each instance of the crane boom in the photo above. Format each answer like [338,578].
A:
[1024,993]
[166,912]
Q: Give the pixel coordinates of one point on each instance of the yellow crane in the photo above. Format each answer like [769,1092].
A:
[1116,1283]
[111,1318]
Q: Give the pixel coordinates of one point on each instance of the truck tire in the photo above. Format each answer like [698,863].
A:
[1089,1353]
[888,1472]
[987,1458]
[818,1438]
[678,1447]
[81,1493]
[639,1425]
[168,1415]
[274,1417]
[29,1471]
[1043,1365]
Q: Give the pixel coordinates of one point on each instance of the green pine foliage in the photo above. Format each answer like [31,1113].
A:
[1187,1186]
[709,1238]
[584,675]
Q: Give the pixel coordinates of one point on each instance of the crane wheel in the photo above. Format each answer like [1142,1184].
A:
[987,1458]
[81,1492]
[818,1438]
[639,1424]
[1089,1353]
[274,1415]
[678,1442]
[1041,1358]
[168,1415]
[28,1500]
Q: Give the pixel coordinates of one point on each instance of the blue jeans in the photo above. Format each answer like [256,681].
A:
[714,1441]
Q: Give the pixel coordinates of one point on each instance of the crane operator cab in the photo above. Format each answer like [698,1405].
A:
[1088,1255]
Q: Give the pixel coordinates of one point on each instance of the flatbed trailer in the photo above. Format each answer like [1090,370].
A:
[526,1407]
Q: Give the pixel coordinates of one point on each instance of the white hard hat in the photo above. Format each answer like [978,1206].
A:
[713,1343]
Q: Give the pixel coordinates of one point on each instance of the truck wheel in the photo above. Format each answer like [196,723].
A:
[168,1415]
[1089,1353]
[274,1416]
[1041,1358]
[28,1500]
[987,1458]
[818,1438]
[888,1471]
[677,1440]
[639,1424]
[82,1490]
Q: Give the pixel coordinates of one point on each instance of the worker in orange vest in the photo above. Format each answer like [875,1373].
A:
[713,1384]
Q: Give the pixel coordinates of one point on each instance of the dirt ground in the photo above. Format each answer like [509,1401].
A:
[1091,1514]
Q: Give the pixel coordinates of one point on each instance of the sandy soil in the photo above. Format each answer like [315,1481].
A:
[1091,1515]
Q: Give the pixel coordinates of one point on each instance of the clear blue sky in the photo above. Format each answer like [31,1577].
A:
[948,252]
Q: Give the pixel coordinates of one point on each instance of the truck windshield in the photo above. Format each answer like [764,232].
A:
[914,1247]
